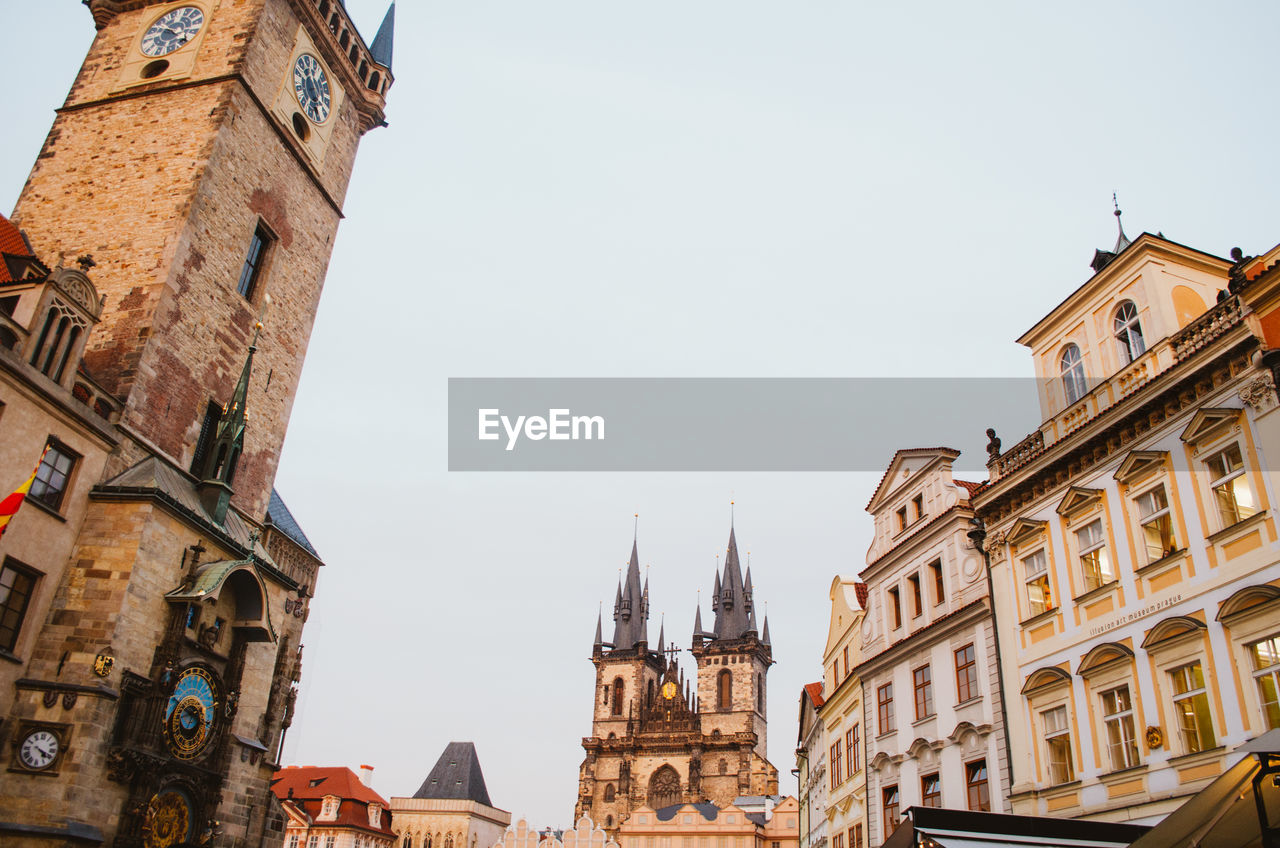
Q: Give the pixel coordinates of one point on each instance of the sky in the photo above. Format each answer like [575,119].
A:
[674,189]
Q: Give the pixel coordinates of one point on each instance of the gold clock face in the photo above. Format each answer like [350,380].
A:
[669,689]
[191,713]
[169,819]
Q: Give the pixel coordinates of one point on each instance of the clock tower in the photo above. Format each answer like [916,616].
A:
[196,173]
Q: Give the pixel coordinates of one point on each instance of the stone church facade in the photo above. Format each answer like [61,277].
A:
[193,178]
[659,738]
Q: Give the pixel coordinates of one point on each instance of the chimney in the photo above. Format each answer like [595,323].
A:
[366,775]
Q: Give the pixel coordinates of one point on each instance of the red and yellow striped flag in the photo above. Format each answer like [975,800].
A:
[9,506]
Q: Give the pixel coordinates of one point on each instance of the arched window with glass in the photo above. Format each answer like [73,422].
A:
[1072,365]
[1128,332]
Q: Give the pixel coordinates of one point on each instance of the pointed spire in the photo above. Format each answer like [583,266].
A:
[764,637]
[599,642]
[224,452]
[715,593]
[751,623]
[733,610]
[1122,241]
[697,622]
[382,42]
[662,631]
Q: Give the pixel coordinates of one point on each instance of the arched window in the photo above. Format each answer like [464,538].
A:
[648,695]
[608,821]
[664,788]
[760,693]
[408,841]
[1072,365]
[1129,333]
[724,690]
[617,698]
[609,792]
[448,840]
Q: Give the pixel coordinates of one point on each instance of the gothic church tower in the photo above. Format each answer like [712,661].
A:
[655,739]
[196,174]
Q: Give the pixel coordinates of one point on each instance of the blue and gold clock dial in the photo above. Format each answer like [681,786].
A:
[172,31]
[311,86]
[191,713]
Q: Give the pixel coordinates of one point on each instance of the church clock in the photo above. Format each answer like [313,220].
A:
[191,714]
[172,31]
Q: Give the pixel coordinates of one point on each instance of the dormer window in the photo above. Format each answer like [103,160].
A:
[375,815]
[1129,333]
[1072,367]
[329,808]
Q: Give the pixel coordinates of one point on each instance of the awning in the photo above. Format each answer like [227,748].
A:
[930,827]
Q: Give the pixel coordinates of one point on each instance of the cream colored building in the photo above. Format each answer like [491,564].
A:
[452,808]
[933,713]
[811,768]
[1132,539]
[751,822]
[841,715]
[585,834]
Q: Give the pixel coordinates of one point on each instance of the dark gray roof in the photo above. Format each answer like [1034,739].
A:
[631,609]
[456,776]
[382,42]
[284,521]
[709,811]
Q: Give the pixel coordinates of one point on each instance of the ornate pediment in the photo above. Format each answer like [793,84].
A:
[1139,463]
[1024,530]
[1077,498]
[1046,678]
[1173,629]
[1102,656]
[1207,421]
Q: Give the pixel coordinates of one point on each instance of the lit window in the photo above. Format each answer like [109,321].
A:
[1117,714]
[1057,736]
[254,261]
[16,585]
[889,796]
[51,477]
[966,674]
[1036,571]
[923,680]
[1231,489]
[975,778]
[1072,366]
[884,704]
[1129,333]
[1266,673]
[930,791]
[1191,705]
[1157,524]
[1095,563]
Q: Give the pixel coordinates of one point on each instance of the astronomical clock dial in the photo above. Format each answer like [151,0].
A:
[191,714]
[172,31]
[311,86]
[38,749]
[170,820]
[669,689]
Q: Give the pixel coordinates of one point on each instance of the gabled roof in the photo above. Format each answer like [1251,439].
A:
[283,519]
[456,776]
[891,473]
[318,781]
[814,691]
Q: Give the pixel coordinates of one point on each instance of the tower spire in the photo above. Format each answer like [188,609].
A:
[1122,241]
[598,644]
[380,49]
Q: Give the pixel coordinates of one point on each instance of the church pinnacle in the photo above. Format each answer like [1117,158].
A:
[631,610]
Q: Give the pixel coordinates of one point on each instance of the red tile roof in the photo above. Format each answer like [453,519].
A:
[815,693]
[11,244]
[307,786]
[863,592]
[971,487]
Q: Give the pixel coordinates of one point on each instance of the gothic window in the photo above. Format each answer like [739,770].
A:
[724,690]
[51,477]
[760,694]
[254,260]
[408,841]
[664,788]
[208,429]
[609,792]
[617,700]
[58,339]
[448,840]
[1129,333]
[1072,369]
[648,697]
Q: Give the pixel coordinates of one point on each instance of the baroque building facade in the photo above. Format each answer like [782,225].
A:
[774,824]
[933,708]
[658,739]
[332,807]
[811,768]
[1132,536]
[840,714]
[193,176]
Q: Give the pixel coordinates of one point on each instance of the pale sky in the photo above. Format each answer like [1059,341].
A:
[668,189]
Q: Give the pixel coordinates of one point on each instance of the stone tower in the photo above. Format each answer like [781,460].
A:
[196,174]
[657,741]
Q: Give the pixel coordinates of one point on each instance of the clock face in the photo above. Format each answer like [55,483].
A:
[172,31]
[38,749]
[191,713]
[312,87]
[169,819]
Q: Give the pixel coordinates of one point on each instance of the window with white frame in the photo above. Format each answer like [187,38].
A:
[314,841]
[1266,675]
[330,840]
[1095,562]
[1057,740]
[1072,369]
[1231,490]
[1128,333]
[1191,705]
[293,839]
[329,808]
[1117,717]
[1035,570]
[1157,523]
